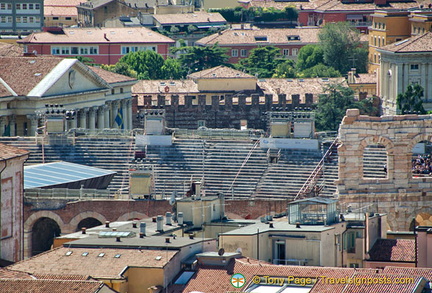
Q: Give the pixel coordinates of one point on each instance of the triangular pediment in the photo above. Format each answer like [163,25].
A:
[69,77]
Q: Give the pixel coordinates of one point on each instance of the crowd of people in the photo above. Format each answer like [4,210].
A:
[422,165]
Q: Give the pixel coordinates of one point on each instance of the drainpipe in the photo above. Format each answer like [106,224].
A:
[415,244]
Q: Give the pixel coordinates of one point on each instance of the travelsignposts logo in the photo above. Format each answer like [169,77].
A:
[238,280]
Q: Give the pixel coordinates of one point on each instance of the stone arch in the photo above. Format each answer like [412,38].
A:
[28,224]
[422,217]
[416,139]
[73,224]
[389,161]
[132,215]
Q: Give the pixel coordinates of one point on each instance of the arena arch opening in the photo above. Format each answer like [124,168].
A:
[394,189]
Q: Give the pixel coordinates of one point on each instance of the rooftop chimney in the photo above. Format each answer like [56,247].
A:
[107,224]
[134,225]
[141,235]
[168,217]
[118,239]
[83,230]
[167,240]
[271,225]
[159,223]
[143,228]
[298,225]
[180,218]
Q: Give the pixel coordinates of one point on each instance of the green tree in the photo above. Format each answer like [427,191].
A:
[174,29]
[332,106]
[172,69]
[339,42]
[196,58]
[262,61]
[411,100]
[319,70]
[148,64]
[120,68]
[285,70]
[85,60]
[191,28]
[309,56]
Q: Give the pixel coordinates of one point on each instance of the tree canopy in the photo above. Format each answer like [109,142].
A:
[262,61]
[148,64]
[332,106]
[197,58]
[411,100]
[341,47]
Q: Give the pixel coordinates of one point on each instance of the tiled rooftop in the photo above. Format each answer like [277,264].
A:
[110,77]
[60,11]
[10,50]
[8,274]
[158,86]
[332,5]
[398,250]
[138,3]
[273,37]
[73,3]
[8,151]
[220,72]
[136,35]
[424,272]
[365,78]
[52,286]
[98,263]
[13,70]
[189,18]
[421,43]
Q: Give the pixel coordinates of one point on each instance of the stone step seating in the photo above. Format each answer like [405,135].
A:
[330,174]
[175,165]
[106,153]
[234,168]
[286,177]
[26,143]
[374,159]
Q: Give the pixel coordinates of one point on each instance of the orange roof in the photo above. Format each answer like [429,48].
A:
[421,43]
[110,77]
[130,35]
[52,286]
[10,50]
[94,264]
[220,72]
[189,18]
[60,11]
[9,152]
[254,36]
[72,3]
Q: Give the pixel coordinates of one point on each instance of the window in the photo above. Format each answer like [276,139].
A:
[84,51]
[55,18]
[286,52]
[65,50]
[55,50]
[354,265]
[24,6]
[121,90]
[74,51]
[294,51]
[5,6]
[261,38]
[31,6]
[201,123]
[37,6]
[234,53]
[414,67]
[18,6]
[243,53]
[24,19]
[68,18]
[293,38]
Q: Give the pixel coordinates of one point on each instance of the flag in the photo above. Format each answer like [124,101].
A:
[119,118]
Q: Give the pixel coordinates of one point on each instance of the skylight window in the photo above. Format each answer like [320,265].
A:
[102,254]
[293,38]
[401,42]
[69,253]
[84,254]
[117,256]
[158,257]
[261,38]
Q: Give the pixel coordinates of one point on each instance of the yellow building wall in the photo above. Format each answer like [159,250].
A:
[139,279]
[247,243]
[226,84]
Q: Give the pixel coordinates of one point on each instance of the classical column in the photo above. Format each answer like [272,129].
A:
[33,124]
[74,122]
[2,125]
[92,118]
[129,114]
[100,117]
[107,109]
[12,122]
[83,118]
[114,110]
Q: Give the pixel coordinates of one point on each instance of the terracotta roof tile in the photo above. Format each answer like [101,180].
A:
[71,3]
[52,286]
[138,35]
[9,274]
[60,11]
[189,18]
[110,77]
[220,72]
[107,266]
[366,78]
[421,43]
[9,152]
[158,86]
[274,37]
[61,277]
[393,250]
[13,70]
[332,5]
[424,272]
[10,50]
[217,279]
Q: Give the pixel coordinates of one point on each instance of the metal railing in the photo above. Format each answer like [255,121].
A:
[66,193]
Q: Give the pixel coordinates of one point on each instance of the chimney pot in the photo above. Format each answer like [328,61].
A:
[83,230]
[271,225]
[134,224]
[107,224]
[141,235]
[167,240]
[118,239]
[298,225]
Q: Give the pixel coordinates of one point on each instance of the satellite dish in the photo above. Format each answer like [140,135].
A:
[221,251]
